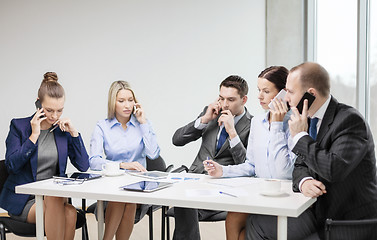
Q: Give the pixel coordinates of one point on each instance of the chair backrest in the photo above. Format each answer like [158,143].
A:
[3,174]
[351,229]
[157,164]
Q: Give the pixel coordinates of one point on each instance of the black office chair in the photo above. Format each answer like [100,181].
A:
[22,229]
[152,165]
[219,216]
[365,229]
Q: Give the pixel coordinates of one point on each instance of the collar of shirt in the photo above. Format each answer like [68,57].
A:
[321,112]
[265,121]
[266,116]
[114,121]
[237,118]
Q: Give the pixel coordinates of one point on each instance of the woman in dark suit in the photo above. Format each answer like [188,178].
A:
[36,150]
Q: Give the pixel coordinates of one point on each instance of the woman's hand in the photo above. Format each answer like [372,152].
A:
[139,114]
[213,168]
[281,109]
[66,125]
[35,123]
[133,166]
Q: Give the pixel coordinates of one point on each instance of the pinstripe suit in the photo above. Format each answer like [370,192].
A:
[343,159]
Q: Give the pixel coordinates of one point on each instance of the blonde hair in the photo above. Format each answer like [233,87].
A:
[113,92]
[50,87]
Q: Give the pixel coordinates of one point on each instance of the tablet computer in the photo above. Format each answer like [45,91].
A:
[150,174]
[85,176]
[146,186]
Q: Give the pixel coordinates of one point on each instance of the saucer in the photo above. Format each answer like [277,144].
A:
[272,194]
[113,174]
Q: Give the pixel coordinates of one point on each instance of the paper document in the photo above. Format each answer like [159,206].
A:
[233,182]
[235,192]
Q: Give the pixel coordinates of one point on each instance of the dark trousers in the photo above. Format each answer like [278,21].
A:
[187,222]
[265,227]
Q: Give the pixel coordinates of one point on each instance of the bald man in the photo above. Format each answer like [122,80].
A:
[335,160]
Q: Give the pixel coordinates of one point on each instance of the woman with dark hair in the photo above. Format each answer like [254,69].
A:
[268,155]
[37,148]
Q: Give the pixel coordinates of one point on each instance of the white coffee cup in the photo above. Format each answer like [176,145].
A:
[111,167]
[271,186]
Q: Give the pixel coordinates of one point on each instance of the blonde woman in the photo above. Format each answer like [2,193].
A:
[125,137]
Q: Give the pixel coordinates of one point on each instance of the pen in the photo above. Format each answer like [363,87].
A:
[176,178]
[228,194]
[209,164]
[52,129]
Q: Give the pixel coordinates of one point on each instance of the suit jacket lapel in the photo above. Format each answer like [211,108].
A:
[61,148]
[328,119]
[212,135]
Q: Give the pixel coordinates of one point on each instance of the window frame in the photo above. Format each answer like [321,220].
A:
[363,36]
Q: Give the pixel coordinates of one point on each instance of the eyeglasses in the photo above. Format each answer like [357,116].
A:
[67,181]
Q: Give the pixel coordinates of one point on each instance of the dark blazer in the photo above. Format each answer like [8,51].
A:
[21,160]
[226,155]
[343,159]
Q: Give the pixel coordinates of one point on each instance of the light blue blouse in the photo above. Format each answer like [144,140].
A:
[117,144]
[269,152]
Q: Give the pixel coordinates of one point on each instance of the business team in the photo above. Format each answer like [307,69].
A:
[327,150]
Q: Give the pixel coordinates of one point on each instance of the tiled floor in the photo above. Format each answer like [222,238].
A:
[211,231]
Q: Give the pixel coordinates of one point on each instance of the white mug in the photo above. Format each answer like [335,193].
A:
[111,167]
[271,185]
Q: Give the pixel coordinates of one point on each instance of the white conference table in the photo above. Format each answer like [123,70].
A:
[202,194]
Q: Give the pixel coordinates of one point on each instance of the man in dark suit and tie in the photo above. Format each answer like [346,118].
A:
[335,161]
[224,128]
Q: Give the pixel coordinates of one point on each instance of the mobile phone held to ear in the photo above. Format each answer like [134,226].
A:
[38,104]
[310,98]
[280,95]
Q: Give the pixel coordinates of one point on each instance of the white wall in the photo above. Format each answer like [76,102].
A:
[174,54]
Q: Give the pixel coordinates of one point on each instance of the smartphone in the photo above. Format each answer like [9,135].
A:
[310,98]
[86,176]
[280,95]
[38,104]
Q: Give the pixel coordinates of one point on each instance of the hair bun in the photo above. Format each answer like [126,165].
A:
[50,76]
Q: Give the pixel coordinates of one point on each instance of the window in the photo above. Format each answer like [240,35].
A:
[337,46]
[373,69]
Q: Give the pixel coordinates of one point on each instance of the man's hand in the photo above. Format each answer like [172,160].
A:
[299,122]
[313,188]
[227,119]
[213,168]
[212,112]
